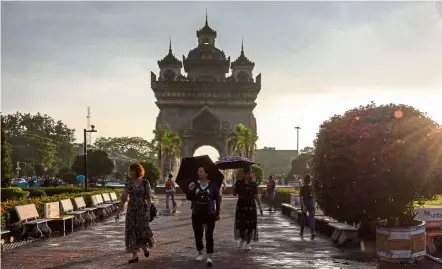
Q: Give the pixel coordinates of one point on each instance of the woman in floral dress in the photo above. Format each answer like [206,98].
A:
[138,233]
[246,220]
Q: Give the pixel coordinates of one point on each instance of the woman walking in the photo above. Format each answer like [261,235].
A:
[307,205]
[137,233]
[205,212]
[271,192]
[246,220]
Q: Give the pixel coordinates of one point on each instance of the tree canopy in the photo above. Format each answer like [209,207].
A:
[39,139]
[135,148]
[242,141]
[98,164]
[167,143]
[363,157]
[301,165]
[6,161]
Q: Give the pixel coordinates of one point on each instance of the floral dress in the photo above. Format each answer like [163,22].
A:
[138,232]
[246,217]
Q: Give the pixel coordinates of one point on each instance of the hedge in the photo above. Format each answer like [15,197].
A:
[9,219]
[13,193]
[282,195]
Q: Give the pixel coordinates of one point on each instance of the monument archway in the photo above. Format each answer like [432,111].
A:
[206,103]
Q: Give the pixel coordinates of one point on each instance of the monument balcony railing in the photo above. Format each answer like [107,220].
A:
[206,85]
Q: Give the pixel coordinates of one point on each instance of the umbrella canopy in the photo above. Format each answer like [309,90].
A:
[189,168]
[233,162]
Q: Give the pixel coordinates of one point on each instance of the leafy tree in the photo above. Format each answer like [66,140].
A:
[70,178]
[167,143]
[98,164]
[63,171]
[28,170]
[363,157]
[301,165]
[50,172]
[151,172]
[242,141]
[6,161]
[40,139]
[39,170]
[133,148]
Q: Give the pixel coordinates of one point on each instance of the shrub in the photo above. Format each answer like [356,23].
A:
[70,178]
[152,173]
[13,193]
[50,191]
[282,195]
[374,162]
[35,192]
[9,217]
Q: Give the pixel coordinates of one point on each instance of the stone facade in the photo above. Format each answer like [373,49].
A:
[205,104]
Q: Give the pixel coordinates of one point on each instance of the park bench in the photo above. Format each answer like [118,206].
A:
[104,209]
[68,209]
[114,197]
[80,204]
[52,212]
[291,211]
[3,232]
[433,217]
[107,200]
[32,224]
[343,233]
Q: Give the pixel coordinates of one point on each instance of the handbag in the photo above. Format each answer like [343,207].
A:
[153,210]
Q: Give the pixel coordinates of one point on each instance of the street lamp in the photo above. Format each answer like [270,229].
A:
[297,139]
[92,130]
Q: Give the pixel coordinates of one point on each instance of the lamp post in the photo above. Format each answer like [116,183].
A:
[297,139]
[92,130]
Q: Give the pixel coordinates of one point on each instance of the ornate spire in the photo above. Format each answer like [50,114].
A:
[206,30]
[242,60]
[170,59]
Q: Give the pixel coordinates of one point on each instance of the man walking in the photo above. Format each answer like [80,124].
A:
[170,191]
[271,189]
[307,205]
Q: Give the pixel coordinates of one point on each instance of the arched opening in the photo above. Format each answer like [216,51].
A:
[207,150]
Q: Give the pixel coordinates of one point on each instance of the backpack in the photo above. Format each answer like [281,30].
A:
[202,200]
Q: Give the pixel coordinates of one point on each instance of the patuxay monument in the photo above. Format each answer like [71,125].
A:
[205,103]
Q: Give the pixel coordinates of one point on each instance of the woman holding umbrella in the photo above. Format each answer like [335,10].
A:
[205,212]
[246,220]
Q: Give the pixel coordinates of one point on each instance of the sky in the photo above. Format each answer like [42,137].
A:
[316,59]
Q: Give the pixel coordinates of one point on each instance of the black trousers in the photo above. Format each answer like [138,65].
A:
[198,223]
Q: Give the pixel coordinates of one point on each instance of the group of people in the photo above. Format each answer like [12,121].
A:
[206,205]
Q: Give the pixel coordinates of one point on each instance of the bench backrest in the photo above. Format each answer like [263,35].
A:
[99,199]
[94,200]
[113,196]
[106,197]
[79,202]
[52,210]
[26,212]
[67,205]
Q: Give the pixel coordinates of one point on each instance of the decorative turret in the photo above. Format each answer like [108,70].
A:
[242,67]
[206,35]
[170,66]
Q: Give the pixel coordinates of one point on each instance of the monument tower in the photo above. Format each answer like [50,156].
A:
[205,104]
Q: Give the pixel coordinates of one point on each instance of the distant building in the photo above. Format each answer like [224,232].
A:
[275,161]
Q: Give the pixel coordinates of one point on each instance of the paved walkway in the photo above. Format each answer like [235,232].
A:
[102,247]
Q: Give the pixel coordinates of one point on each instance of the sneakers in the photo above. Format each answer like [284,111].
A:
[200,257]
[248,247]
[241,243]
[209,262]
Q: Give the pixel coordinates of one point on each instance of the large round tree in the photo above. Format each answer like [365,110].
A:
[376,162]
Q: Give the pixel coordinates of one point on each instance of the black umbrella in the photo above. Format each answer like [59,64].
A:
[189,168]
[233,162]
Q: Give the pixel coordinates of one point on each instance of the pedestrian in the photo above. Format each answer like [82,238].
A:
[221,191]
[307,206]
[137,233]
[271,191]
[205,212]
[246,219]
[170,191]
